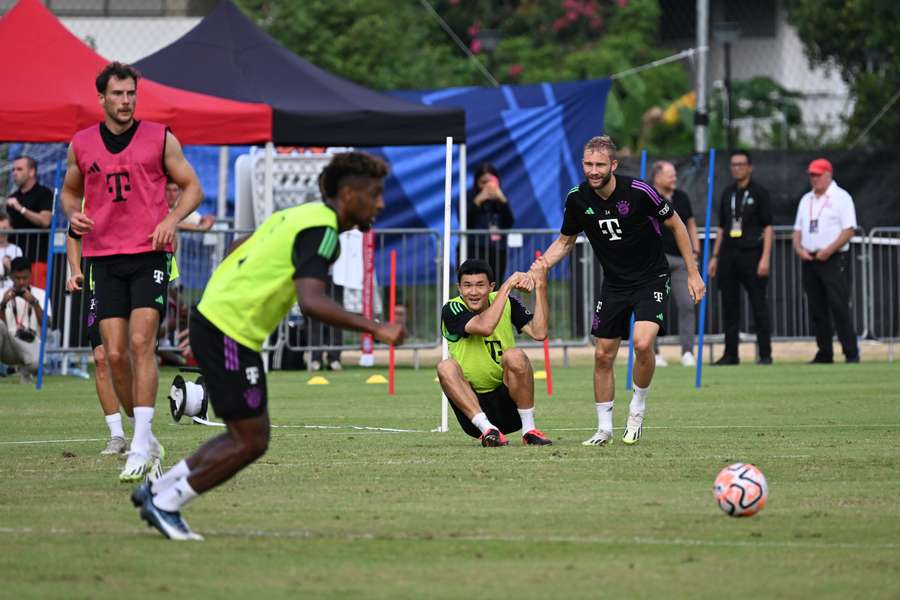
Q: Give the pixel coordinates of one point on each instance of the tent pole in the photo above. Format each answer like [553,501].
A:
[445,279]
[463,206]
[222,208]
[269,185]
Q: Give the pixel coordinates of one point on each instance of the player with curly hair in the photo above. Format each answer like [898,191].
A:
[285,261]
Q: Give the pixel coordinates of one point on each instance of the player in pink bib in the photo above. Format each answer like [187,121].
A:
[120,167]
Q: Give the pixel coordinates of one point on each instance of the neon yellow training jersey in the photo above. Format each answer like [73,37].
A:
[480,357]
[253,288]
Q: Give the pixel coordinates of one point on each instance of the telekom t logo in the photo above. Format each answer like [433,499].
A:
[252,374]
[122,184]
[610,227]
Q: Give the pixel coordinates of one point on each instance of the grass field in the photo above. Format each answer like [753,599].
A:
[343,512]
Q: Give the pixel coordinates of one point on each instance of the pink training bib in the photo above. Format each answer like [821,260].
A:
[125,193]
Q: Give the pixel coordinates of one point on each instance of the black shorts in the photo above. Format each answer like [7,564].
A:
[124,282]
[92,323]
[499,409]
[612,315]
[234,374]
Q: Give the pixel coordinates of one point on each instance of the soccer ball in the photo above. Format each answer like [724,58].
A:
[741,490]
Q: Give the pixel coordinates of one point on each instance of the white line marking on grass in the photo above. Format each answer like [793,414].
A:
[361,429]
[70,441]
[355,427]
[792,426]
[430,536]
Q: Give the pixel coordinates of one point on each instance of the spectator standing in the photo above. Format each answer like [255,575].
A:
[30,207]
[489,210]
[664,178]
[826,220]
[741,257]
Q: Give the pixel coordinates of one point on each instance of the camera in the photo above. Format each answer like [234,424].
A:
[20,293]
[26,335]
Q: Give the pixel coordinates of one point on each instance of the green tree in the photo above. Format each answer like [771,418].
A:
[860,38]
[390,44]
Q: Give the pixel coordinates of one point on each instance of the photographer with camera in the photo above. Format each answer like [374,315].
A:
[21,309]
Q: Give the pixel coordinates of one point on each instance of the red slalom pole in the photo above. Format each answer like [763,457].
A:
[547,367]
[393,319]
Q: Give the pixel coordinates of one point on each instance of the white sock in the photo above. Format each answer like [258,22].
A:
[527,416]
[175,496]
[604,416]
[114,422]
[143,421]
[638,404]
[167,479]
[482,423]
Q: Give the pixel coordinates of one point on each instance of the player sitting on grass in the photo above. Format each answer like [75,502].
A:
[490,382]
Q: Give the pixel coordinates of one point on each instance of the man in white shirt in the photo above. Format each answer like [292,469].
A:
[8,252]
[826,220]
[21,313]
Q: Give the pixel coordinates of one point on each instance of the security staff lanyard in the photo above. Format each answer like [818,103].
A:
[737,216]
[814,223]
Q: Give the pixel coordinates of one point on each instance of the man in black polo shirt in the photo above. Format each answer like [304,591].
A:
[30,207]
[741,257]
[623,218]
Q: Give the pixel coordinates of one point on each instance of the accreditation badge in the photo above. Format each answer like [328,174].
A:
[814,226]
[736,230]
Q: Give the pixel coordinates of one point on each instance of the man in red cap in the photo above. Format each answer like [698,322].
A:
[826,220]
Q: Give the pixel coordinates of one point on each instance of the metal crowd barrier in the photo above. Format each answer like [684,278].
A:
[571,284]
[418,299]
[574,286]
[788,306]
[883,254]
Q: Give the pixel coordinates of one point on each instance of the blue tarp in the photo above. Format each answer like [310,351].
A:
[533,134]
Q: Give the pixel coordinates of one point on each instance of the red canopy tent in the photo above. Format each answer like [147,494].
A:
[52,94]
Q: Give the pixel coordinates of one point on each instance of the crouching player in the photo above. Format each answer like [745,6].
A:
[490,382]
[286,260]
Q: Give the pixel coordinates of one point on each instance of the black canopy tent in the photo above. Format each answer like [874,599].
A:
[227,55]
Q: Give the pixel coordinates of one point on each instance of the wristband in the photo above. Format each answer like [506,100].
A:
[22,210]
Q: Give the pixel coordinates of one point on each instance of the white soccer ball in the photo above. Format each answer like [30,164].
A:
[741,490]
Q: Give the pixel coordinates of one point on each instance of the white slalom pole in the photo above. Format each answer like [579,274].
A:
[269,182]
[445,283]
[463,206]
[222,198]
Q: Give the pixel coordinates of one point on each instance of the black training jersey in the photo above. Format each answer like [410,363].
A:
[625,230]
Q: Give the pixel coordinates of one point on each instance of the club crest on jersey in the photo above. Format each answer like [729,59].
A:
[623,207]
